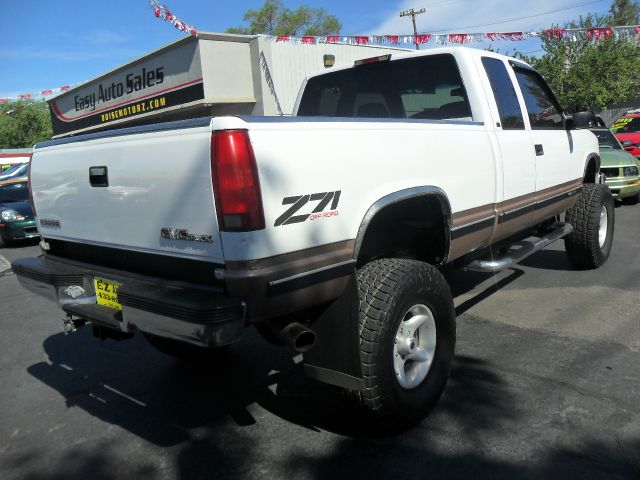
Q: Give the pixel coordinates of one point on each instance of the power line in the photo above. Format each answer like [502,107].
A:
[521,18]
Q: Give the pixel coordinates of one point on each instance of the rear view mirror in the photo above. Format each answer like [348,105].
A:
[585,119]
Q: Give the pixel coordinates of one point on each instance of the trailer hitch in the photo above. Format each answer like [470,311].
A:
[71,325]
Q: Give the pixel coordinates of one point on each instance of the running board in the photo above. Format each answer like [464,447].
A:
[494,264]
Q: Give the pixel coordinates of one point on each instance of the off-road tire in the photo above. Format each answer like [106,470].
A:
[387,289]
[181,350]
[582,245]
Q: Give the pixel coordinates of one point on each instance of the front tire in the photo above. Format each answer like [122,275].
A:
[592,218]
[407,338]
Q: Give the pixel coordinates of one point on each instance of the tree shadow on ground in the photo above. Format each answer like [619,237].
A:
[198,413]
[97,463]
[407,459]
[201,409]
[160,400]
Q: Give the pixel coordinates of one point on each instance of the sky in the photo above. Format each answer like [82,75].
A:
[45,45]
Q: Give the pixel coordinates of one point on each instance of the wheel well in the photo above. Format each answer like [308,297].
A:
[591,170]
[413,228]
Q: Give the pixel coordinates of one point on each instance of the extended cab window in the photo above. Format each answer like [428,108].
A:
[508,106]
[544,112]
[423,88]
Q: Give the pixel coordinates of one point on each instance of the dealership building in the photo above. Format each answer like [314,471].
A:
[211,74]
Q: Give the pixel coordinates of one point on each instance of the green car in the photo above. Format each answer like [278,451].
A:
[621,169]
[17,220]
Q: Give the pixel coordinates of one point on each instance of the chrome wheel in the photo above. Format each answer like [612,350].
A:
[414,346]
[602,231]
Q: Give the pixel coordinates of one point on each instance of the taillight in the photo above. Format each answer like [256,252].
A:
[236,185]
[33,205]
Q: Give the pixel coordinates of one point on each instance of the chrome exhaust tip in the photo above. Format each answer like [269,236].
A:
[301,338]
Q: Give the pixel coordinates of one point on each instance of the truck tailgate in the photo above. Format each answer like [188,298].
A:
[156,197]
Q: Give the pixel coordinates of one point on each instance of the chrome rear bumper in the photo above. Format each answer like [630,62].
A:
[191,313]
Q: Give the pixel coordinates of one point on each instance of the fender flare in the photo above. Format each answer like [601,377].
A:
[595,157]
[398,197]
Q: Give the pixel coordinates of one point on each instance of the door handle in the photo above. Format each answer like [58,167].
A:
[98,177]
[539,149]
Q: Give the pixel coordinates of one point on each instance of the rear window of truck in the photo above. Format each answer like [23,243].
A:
[427,87]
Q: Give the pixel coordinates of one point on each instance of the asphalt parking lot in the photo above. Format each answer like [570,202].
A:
[546,384]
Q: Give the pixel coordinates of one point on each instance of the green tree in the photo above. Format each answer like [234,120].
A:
[586,73]
[24,123]
[624,12]
[273,18]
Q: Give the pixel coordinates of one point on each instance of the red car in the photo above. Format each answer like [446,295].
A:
[627,129]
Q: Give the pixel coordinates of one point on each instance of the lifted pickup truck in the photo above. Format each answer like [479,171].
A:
[326,230]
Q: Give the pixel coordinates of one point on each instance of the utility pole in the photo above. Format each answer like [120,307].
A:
[412,13]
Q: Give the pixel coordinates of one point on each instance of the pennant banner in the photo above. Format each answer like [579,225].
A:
[160,11]
[37,95]
[569,34]
[631,32]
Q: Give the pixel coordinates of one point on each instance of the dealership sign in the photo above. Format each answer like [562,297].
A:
[164,80]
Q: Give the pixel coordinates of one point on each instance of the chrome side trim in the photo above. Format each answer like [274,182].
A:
[400,196]
[310,272]
[311,277]
[455,229]
[548,201]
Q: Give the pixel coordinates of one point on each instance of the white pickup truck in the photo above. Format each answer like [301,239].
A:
[325,230]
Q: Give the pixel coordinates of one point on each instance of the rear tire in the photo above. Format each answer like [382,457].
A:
[407,338]
[592,218]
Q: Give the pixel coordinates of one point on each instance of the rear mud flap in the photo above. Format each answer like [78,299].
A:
[335,357]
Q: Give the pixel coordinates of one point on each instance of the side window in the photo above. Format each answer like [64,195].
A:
[504,93]
[544,112]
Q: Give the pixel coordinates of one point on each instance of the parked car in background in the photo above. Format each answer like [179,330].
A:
[622,170]
[9,160]
[15,171]
[17,220]
[627,129]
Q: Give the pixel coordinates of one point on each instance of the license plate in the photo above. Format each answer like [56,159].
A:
[107,292]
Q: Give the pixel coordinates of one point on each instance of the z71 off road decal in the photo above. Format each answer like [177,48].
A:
[298,202]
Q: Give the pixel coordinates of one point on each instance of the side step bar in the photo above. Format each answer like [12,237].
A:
[494,264]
